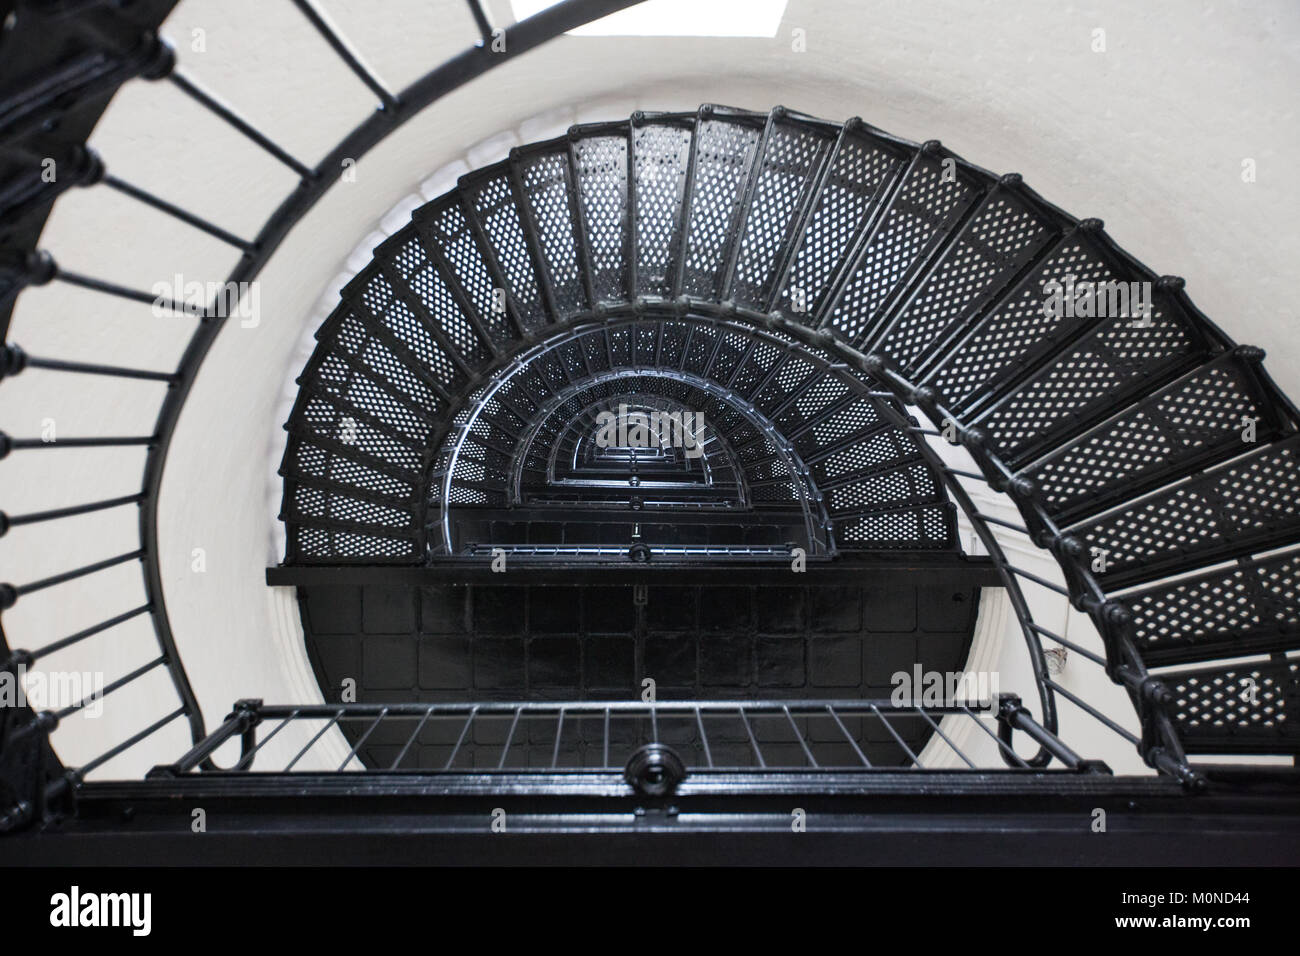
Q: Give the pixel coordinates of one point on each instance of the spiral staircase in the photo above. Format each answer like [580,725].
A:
[864,323]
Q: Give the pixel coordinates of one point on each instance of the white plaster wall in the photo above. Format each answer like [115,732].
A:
[1149,135]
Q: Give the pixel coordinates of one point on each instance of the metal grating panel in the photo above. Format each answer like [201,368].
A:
[791,162]
[723,153]
[1019,328]
[924,206]
[1202,418]
[1238,507]
[549,194]
[1001,237]
[1247,708]
[660,156]
[602,191]
[849,196]
[1250,607]
[493,203]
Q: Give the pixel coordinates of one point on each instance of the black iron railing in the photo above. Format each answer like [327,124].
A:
[597,739]
[862,265]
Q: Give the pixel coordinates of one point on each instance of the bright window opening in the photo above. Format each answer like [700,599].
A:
[678,18]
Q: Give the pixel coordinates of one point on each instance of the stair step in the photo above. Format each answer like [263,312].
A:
[724,153]
[600,170]
[917,527]
[320,417]
[308,504]
[660,146]
[389,316]
[490,201]
[931,199]
[1020,331]
[397,424]
[450,239]
[1003,235]
[306,458]
[440,301]
[1111,368]
[318,545]
[544,179]
[338,373]
[313,536]
[786,177]
[910,483]
[861,173]
[1250,708]
[1199,420]
[995,245]
[1243,507]
[1250,607]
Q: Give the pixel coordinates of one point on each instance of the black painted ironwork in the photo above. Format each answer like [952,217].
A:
[754,258]
[59,71]
[594,737]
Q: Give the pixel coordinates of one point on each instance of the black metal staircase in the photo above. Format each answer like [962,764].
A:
[1141,447]
[817,290]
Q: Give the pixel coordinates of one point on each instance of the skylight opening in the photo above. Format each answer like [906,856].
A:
[677,18]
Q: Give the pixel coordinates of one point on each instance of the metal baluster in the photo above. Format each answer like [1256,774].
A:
[753,742]
[461,739]
[364,737]
[848,736]
[411,739]
[916,761]
[319,734]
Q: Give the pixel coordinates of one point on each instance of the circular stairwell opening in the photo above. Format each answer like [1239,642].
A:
[801,286]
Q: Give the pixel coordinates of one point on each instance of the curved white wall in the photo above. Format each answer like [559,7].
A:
[1149,135]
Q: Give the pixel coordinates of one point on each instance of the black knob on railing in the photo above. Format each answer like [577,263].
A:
[87,166]
[157,58]
[924,396]
[1157,691]
[1067,546]
[35,268]
[1022,488]
[12,361]
[15,816]
[654,770]
[19,658]
[973,438]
